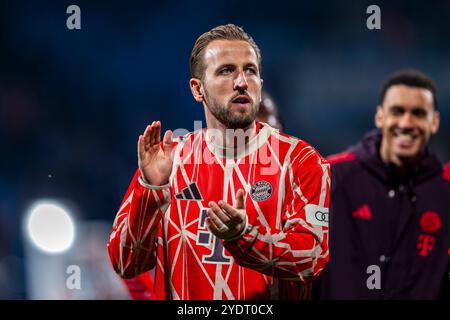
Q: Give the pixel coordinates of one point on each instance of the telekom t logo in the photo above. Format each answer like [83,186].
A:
[425,244]
[205,237]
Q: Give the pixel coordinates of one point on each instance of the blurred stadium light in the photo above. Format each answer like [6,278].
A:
[56,244]
[50,227]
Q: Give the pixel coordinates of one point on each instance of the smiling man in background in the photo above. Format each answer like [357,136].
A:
[390,203]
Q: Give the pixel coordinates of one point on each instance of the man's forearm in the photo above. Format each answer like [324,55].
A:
[132,242]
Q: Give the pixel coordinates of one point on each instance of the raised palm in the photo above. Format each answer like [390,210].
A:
[155,162]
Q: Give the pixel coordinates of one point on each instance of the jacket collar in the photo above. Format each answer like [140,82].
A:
[368,152]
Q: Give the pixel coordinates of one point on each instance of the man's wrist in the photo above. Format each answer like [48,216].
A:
[145,184]
[244,230]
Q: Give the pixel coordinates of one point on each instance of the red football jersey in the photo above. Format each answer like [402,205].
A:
[284,247]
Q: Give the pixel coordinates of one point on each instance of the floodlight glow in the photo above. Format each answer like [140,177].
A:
[50,227]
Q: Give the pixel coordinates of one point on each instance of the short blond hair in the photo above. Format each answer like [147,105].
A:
[223,32]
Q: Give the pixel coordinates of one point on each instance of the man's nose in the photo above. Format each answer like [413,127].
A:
[240,83]
[406,121]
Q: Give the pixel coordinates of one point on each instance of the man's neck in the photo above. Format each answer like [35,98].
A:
[228,139]
[403,167]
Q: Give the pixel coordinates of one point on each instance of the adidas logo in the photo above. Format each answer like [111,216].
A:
[189,193]
[363,213]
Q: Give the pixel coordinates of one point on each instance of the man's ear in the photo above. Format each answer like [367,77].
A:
[436,122]
[260,96]
[196,89]
[379,117]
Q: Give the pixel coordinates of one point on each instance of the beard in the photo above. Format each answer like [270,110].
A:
[225,115]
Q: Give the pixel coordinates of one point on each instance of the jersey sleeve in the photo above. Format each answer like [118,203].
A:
[299,250]
[132,243]
[141,287]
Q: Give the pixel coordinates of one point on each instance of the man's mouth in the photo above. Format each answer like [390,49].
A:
[405,140]
[241,99]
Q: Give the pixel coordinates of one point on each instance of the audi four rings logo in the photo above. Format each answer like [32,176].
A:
[321,216]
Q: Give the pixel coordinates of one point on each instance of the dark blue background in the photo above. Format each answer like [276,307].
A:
[72,102]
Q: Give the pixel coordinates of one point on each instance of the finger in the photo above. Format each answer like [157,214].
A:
[240,202]
[223,216]
[153,134]
[157,133]
[211,226]
[147,137]
[141,148]
[167,143]
[229,210]
[218,223]
[233,213]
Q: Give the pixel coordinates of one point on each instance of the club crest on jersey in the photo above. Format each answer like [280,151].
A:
[261,191]
[430,222]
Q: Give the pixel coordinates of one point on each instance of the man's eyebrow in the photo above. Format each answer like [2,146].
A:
[396,106]
[227,65]
[419,109]
[251,64]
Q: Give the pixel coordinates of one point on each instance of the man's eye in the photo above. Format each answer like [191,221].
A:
[419,113]
[396,111]
[251,70]
[226,71]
